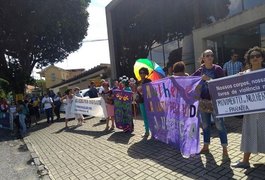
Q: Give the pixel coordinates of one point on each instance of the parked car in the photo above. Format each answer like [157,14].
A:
[84,92]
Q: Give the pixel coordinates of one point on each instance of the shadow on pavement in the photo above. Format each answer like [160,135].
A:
[99,124]
[170,158]
[232,124]
[95,134]
[7,135]
[120,137]
[256,172]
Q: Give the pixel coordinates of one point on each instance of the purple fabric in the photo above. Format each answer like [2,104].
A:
[171,107]
[123,109]
[214,73]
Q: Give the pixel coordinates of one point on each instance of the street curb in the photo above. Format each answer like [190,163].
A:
[42,169]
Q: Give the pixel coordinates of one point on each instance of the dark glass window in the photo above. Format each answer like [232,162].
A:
[252,3]
[262,35]
[235,7]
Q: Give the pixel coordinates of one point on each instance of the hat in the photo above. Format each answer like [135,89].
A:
[76,88]
[132,80]
[124,78]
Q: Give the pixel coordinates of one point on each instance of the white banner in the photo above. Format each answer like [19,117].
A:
[90,106]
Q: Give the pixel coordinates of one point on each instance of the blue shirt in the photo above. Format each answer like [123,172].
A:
[232,68]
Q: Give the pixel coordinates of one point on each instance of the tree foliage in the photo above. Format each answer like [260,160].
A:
[36,33]
[141,23]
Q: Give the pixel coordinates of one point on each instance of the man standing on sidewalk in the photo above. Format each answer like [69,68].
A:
[233,66]
[57,105]
[48,107]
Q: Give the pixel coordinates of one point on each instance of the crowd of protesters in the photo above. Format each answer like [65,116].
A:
[253,134]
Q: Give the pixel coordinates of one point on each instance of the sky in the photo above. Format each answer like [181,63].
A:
[91,54]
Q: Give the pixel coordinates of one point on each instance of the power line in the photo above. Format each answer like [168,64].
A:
[95,40]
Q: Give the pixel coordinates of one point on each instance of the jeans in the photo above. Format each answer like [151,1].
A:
[57,112]
[206,126]
[22,124]
[143,113]
[49,114]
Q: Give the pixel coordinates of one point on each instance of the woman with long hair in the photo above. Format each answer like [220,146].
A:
[208,71]
[253,130]
[69,100]
[108,98]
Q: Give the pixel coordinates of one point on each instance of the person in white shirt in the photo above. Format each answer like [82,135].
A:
[48,107]
[69,100]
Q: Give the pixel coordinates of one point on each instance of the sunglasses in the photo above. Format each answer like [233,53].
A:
[208,55]
[255,55]
[142,72]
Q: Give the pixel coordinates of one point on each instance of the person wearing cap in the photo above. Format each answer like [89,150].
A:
[78,116]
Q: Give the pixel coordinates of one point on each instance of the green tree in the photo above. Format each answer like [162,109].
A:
[141,23]
[36,33]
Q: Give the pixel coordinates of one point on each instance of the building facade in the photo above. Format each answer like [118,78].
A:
[241,29]
[102,71]
[54,75]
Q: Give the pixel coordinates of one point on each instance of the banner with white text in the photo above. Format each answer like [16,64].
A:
[90,106]
[171,107]
[238,94]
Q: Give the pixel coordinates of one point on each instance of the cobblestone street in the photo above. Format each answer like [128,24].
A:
[88,152]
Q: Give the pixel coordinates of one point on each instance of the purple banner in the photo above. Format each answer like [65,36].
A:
[123,110]
[238,94]
[171,107]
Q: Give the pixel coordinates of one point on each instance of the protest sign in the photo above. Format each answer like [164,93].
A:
[123,109]
[171,107]
[238,94]
[89,106]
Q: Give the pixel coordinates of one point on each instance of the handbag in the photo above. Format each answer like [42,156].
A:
[205,105]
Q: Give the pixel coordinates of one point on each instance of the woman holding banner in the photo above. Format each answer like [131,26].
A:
[143,73]
[253,130]
[209,71]
[69,100]
[108,98]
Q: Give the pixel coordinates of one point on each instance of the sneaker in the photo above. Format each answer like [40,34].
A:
[242,165]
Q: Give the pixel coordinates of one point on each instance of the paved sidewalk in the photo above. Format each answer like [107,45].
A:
[15,160]
[87,152]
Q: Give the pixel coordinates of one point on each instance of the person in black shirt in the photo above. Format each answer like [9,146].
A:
[93,92]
